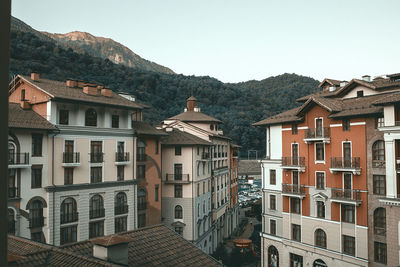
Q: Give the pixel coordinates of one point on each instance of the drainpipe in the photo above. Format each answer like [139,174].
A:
[52,183]
[193,205]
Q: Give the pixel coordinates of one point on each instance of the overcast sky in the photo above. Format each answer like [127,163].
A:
[238,40]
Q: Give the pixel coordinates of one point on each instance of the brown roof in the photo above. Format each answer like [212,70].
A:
[26,118]
[178,137]
[59,90]
[330,81]
[111,240]
[388,99]
[249,167]
[143,128]
[194,116]
[286,116]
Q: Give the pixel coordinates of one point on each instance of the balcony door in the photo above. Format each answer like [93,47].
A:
[69,150]
[295,154]
[347,154]
[96,151]
[178,171]
[318,127]
[347,185]
[120,147]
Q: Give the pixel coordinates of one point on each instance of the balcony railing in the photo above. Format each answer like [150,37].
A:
[294,189]
[11,226]
[378,164]
[205,155]
[97,213]
[15,159]
[36,222]
[323,133]
[141,157]
[121,156]
[96,157]
[294,163]
[71,158]
[121,209]
[177,178]
[345,164]
[351,195]
[142,206]
[12,192]
[69,217]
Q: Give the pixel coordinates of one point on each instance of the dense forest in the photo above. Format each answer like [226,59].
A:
[237,105]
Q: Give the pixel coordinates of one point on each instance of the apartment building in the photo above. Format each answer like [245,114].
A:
[196,160]
[324,178]
[80,180]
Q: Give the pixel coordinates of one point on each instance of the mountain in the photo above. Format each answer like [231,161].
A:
[237,105]
[83,42]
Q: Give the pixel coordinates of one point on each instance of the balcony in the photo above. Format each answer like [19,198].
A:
[18,160]
[121,209]
[69,217]
[294,163]
[96,213]
[36,222]
[294,190]
[317,135]
[379,164]
[71,159]
[96,157]
[177,179]
[142,206]
[340,164]
[13,192]
[121,158]
[205,156]
[347,196]
[141,157]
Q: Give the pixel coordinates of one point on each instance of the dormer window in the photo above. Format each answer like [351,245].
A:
[91,117]
[360,93]
[64,117]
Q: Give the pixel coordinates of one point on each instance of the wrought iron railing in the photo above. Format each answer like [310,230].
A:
[345,163]
[18,158]
[293,161]
[71,157]
[121,156]
[346,194]
[177,177]
[294,189]
[121,209]
[141,157]
[96,213]
[69,217]
[36,222]
[323,132]
[96,157]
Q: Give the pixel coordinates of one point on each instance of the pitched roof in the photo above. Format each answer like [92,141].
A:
[330,81]
[249,167]
[178,137]
[59,90]
[26,118]
[143,128]
[194,116]
[388,99]
[286,116]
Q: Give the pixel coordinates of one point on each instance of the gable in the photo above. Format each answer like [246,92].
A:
[353,91]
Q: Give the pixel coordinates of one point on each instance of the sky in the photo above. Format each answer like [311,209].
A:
[238,40]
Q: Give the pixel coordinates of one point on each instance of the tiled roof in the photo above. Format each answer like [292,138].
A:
[59,90]
[249,167]
[330,81]
[388,99]
[194,116]
[26,118]
[286,116]
[143,128]
[178,137]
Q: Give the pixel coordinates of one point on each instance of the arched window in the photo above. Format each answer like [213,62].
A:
[320,238]
[11,221]
[204,225]
[121,203]
[96,207]
[199,229]
[319,263]
[11,153]
[141,199]
[178,212]
[273,257]
[378,150]
[380,221]
[69,211]
[91,117]
[36,214]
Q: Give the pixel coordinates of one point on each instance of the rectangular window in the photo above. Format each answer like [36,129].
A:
[320,209]
[349,245]
[37,145]
[379,185]
[198,150]
[346,124]
[272,202]
[178,191]
[319,152]
[68,176]
[272,227]
[120,172]
[96,229]
[380,252]
[360,93]
[115,121]
[157,144]
[68,234]
[294,128]
[272,177]
[96,174]
[179,230]
[348,213]
[198,189]
[296,260]
[379,122]
[296,232]
[141,171]
[64,117]
[320,180]
[178,150]
[156,192]
[141,220]
[36,172]
[295,205]
[120,224]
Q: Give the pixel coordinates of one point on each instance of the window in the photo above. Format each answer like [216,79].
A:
[141,171]
[294,128]
[64,117]
[320,180]
[37,145]
[346,125]
[319,263]
[198,210]
[96,151]
[157,144]
[378,150]
[178,212]
[68,211]
[349,245]
[178,150]
[348,213]
[379,122]
[204,187]
[320,238]
[36,214]
[272,177]
[90,117]
[141,220]
[68,176]
[380,252]
[23,95]
[295,205]
[320,209]
[272,227]
[272,202]
[296,260]
[96,174]
[11,221]
[120,172]
[68,234]
[198,189]
[179,230]
[360,93]
[319,151]
[12,189]
[141,151]
[380,221]
[115,121]
[178,190]
[296,232]
[96,207]
[379,184]
[121,204]
[36,173]
[96,229]
[121,224]
[141,199]
[273,257]
[156,192]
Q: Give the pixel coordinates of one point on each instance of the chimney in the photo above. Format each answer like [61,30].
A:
[90,90]
[112,248]
[191,103]
[35,76]
[25,105]
[71,83]
[366,78]
[106,92]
